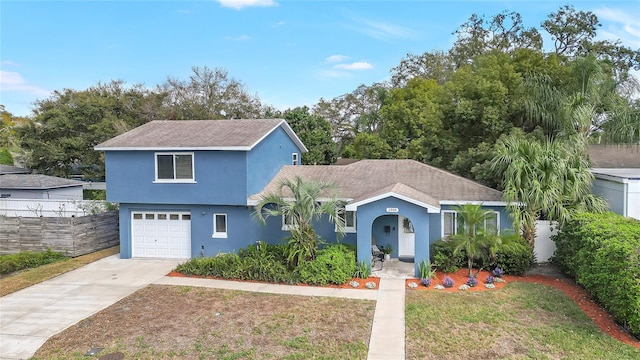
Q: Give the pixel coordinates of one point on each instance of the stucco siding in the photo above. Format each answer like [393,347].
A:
[265,159]
[633,199]
[220,178]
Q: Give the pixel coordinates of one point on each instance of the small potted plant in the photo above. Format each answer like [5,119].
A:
[387,251]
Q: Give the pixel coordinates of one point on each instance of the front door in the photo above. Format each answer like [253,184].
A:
[406,237]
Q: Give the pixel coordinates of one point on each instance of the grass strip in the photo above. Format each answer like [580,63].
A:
[19,280]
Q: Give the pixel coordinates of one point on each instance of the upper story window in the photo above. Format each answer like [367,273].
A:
[452,224]
[174,167]
[349,220]
[294,159]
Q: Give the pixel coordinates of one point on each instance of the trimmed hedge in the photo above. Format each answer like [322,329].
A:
[28,259]
[602,253]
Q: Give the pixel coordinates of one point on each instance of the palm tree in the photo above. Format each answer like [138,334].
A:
[545,177]
[298,202]
[471,236]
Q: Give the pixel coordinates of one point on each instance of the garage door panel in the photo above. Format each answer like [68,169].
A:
[161,234]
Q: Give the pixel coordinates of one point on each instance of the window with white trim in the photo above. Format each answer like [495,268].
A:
[348,219]
[294,159]
[220,226]
[452,225]
[288,223]
[174,167]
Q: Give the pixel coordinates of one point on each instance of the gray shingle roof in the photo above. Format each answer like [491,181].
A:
[35,182]
[7,169]
[370,178]
[198,135]
[614,156]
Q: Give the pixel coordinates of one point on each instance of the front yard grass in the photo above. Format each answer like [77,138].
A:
[521,320]
[166,322]
[19,280]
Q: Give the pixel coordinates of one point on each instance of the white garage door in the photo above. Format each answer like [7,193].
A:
[161,234]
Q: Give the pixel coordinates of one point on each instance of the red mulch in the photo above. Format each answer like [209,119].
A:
[576,293]
[361,282]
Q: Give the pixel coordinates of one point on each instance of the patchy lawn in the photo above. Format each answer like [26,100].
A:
[165,322]
[19,280]
[519,321]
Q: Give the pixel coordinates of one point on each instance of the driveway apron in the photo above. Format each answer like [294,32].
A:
[30,316]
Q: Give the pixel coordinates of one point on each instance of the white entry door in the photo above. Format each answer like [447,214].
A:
[406,237]
[161,234]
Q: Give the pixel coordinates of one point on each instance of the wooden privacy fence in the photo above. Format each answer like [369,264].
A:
[73,236]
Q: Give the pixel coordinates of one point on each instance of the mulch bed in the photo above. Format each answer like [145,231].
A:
[361,282]
[576,293]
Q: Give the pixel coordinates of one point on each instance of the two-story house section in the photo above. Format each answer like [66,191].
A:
[183,186]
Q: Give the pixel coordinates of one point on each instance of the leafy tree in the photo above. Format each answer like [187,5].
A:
[315,133]
[504,32]
[353,113]
[209,94]
[545,178]
[60,138]
[298,202]
[412,122]
[436,65]
[368,146]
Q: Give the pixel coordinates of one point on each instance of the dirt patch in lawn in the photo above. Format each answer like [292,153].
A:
[194,323]
[576,293]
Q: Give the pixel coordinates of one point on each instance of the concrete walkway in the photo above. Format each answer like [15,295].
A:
[30,316]
[387,332]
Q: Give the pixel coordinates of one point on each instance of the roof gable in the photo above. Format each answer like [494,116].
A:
[239,135]
[367,179]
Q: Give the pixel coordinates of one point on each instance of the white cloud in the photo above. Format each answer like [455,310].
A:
[336,58]
[242,37]
[358,65]
[278,24]
[240,4]
[9,62]
[619,25]
[13,81]
[381,30]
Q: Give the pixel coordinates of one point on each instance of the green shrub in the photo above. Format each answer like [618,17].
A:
[515,260]
[443,259]
[334,264]
[28,259]
[602,253]
[363,270]
[5,157]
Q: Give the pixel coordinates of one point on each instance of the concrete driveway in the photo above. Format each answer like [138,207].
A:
[32,315]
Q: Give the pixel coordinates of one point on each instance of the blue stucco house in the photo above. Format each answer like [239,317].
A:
[188,188]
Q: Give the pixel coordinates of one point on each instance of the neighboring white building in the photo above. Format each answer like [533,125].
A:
[621,188]
[617,177]
[20,183]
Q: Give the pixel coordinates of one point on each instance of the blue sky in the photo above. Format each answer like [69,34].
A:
[289,53]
